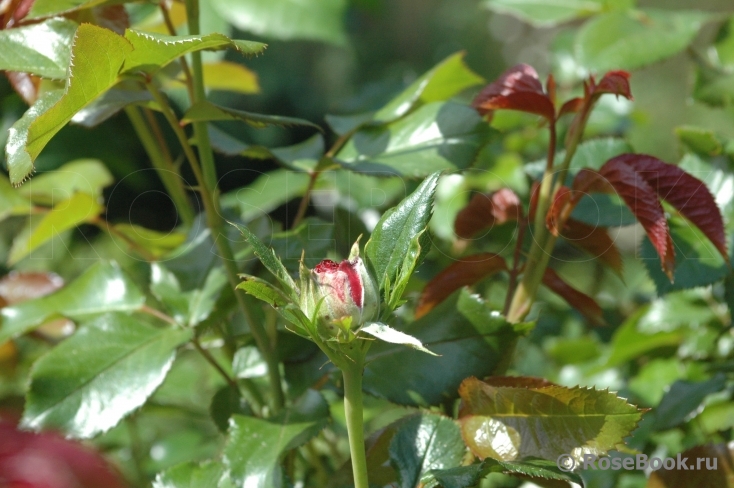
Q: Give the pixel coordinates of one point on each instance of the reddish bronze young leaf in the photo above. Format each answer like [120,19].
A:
[614,82]
[484,210]
[517,89]
[18,287]
[683,191]
[595,241]
[571,106]
[640,197]
[558,211]
[464,272]
[578,300]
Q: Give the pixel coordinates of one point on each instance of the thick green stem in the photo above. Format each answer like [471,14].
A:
[355,423]
[161,161]
[216,225]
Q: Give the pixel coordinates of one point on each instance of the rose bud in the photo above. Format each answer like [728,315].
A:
[341,294]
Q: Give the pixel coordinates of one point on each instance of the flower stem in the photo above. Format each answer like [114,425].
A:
[352,372]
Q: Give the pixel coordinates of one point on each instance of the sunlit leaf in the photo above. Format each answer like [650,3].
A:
[630,40]
[207,112]
[423,443]
[256,446]
[102,288]
[110,103]
[107,369]
[320,20]
[544,12]
[517,89]
[79,209]
[465,271]
[225,75]
[42,49]
[267,257]
[46,8]
[512,423]
[97,56]
[190,307]
[388,334]
[397,228]
[209,474]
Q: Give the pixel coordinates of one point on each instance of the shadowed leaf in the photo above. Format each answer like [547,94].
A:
[709,466]
[485,210]
[596,241]
[578,300]
[464,272]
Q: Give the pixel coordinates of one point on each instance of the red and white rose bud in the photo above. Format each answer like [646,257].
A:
[339,294]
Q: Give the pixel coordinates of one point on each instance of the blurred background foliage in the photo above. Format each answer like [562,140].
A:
[666,346]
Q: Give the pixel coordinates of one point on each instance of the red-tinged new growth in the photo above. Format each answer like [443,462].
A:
[485,210]
[517,89]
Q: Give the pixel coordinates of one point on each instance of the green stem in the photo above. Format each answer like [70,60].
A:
[157,152]
[216,225]
[355,423]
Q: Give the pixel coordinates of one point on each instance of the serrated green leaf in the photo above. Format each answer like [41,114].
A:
[544,12]
[107,369]
[210,474]
[256,446]
[437,136]
[89,176]
[153,51]
[41,49]
[79,209]
[536,469]
[510,423]
[625,40]
[448,78]
[47,8]
[388,334]
[423,443]
[397,228]
[268,258]
[287,19]
[97,56]
[459,477]
[263,291]
[102,288]
[206,112]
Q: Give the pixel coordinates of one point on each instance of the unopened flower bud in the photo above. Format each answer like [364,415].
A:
[341,294]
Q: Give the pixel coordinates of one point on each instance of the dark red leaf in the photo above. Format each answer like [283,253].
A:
[557,212]
[484,210]
[578,300]
[464,272]
[616,83]
[517,89]
[640,197]
[550,88]
[595,241]
[47,460]
[571,106]
[683,191]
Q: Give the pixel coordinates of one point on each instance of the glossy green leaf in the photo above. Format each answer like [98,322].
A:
[89,382]
[79,209]
[304,156]
[256,446]
[97,56]
[459,477]
[190,307]
[19,161]
[11,200]
[683,398]
[397,228]
[266,193]
[287,19]
[248,362]
[697,262]
[436,136]
[545,12]
[442,82]
[47,8]
[263,291]
[535,470]
[513,422]
[207,112]
[629,343]
[470,343]
[626,40]
[153,51]
[388,334]
[269,259]
[226,402]
[89,176]
[102,288]
[423,443]
[210,474]
[41,49]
